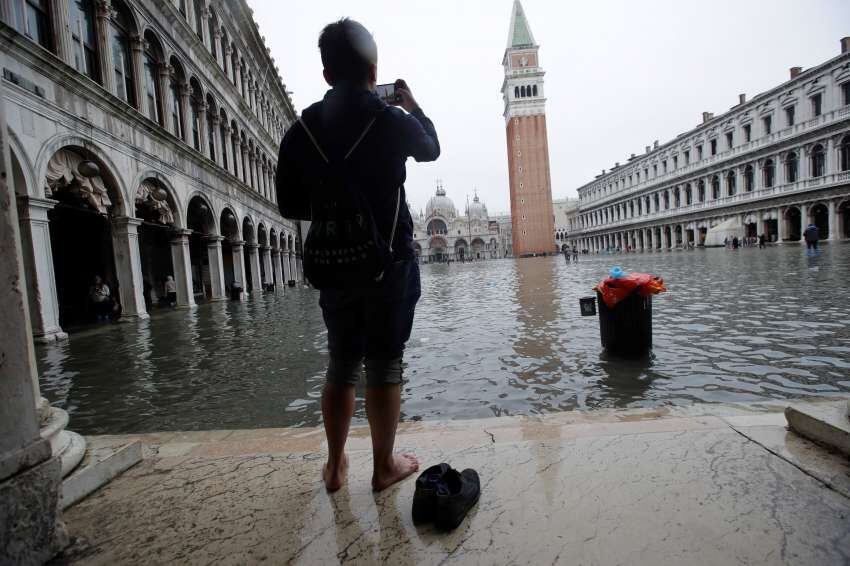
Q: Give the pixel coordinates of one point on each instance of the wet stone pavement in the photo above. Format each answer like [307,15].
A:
[636,487]
[491,338]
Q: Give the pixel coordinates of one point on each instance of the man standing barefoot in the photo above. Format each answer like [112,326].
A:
[365,322]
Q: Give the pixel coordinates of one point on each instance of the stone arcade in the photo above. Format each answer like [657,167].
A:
[143,141]
[770,166]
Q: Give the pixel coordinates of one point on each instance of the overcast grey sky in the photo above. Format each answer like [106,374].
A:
[619,73]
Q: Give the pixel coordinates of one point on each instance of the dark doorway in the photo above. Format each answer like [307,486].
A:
[820,215]
[81,240]
[792,219]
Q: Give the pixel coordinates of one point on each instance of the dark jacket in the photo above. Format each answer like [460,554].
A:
[811,234]
[378,163]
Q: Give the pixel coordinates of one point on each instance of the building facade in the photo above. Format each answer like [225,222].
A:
[527,141]
[770,165]
[440,234]
[144,136]
[566,221]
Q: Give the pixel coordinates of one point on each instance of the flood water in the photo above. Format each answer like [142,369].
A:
[502,337]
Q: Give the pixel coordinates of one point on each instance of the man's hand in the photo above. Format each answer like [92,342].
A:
[403,91]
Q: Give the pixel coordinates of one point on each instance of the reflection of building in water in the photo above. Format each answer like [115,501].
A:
[143,141]
[440,234]
[537,314]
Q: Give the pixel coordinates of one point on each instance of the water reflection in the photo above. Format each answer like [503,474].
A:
[490,338]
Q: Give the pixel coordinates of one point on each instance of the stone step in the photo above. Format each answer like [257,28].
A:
[827,424]
[100,466]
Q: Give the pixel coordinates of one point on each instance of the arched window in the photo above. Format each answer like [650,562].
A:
[178,81]
[818,161]
[225,60]
[234,147]
[666,200]
[791,167]
[121,29]
[244,79]
[32,19]
[153,61]
[749,179]
[223,133]
[731,184]
[516,92]
[534,90]
[715,187]
[213,26]
[524,91]
[688,195]
[845,154]
[196,105]
[211,127]
[234,63]
[701,191]
[83,37]
[769,173]
[199,18]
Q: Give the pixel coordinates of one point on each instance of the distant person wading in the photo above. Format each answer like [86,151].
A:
[354,145]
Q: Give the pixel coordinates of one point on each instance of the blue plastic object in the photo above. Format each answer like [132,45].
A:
[617,272]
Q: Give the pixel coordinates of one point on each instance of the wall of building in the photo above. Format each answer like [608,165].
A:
[773,164]
[193,66]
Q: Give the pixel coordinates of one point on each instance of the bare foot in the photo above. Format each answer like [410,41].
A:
[400,466]
[335,477]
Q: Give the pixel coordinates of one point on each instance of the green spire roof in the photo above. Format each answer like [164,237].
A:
[520,33]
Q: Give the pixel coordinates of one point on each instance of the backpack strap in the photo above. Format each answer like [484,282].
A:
[350,151]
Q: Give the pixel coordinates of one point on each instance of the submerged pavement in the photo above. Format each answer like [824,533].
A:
[609,487]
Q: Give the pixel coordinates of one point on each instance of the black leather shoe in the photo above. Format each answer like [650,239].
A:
[425,496]
[458,494]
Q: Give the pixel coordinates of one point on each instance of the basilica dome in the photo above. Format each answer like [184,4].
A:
[477,210]
[440,205]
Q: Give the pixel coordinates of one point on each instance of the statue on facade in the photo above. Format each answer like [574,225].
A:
[64,176]
[155,200]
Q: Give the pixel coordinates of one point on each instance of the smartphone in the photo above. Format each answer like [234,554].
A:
[387,93]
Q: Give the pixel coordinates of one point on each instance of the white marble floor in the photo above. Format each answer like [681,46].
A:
[607,488]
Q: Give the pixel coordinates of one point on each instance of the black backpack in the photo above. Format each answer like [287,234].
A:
[343,248]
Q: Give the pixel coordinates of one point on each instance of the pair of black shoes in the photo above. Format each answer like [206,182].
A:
[444,496]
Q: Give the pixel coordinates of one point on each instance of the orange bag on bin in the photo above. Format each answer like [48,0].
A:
[615,289]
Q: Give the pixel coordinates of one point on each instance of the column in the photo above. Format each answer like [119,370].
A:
[166,101]
[228,63]
[215,124]
[251,170]
[833,220]
[204,31]
[182,268]
[287,271]
[227,149]
[137,47]
[299,270]
[202,128]
[238,71]
[38,262]
[759,223]
[216,263]
[239,277]
[780,226]
[236,153]
[128,267]
[292,267]
[264,171]
[103,11]
[276,266]
[257,176]
[60,14]
[216,46]
[29,476]
[184,110]
[266,254]
[254,262]
[804,219]
[245,164]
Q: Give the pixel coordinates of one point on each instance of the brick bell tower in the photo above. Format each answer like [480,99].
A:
[532,216]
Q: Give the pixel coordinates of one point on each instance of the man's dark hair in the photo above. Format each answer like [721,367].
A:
[348,50]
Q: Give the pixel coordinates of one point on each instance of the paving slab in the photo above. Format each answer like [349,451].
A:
[587,490]
[825,423]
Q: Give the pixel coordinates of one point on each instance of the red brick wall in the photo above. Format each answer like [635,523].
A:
[532,215]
